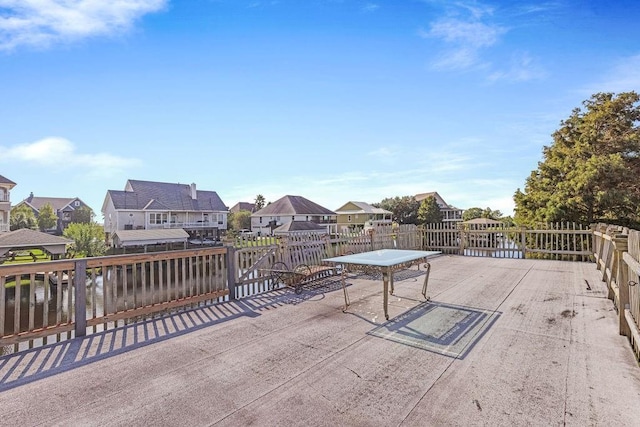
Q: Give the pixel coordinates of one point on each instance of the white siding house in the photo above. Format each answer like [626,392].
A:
[148,205]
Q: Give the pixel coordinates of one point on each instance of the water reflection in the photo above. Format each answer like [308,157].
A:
[123,289]
[46,300]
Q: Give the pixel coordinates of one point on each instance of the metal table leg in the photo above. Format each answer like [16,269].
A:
[386,276]
[426,281]
[344,289]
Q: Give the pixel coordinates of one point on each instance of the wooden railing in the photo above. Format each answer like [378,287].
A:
[61,299]
[617,254]
[50,301]
[560,241]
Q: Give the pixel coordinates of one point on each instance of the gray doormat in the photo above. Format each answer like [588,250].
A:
[445,329]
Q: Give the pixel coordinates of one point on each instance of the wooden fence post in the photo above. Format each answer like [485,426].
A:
[523,239]
[620,245]
[371,232]
[231,272]
[462,239]
[80,290]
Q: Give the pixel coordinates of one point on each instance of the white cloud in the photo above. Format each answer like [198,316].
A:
[522,68]
[370,7]
[623,77]
[40,23]
[470,34]
[382,153]
[466,38]
[59,154]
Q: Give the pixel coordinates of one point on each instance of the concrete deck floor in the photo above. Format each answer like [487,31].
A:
[551,357]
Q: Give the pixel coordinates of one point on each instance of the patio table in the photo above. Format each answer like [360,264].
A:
[386,261]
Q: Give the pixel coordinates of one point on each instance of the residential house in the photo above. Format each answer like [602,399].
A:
[288,209]
[5,203]
[63,207]
[243,206]
[353,216]
[449,213]
[149,205]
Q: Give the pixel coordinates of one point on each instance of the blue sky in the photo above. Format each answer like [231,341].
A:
[333,100]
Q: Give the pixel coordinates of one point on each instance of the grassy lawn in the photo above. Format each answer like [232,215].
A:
[24,257]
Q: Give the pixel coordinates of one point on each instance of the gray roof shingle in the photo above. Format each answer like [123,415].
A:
[56,203]
[150,195]
[293,205]
[27,237]
[4,180]
[299,226]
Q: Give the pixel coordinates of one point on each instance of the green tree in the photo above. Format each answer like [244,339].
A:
[22,216]
[88,239]
[590,171]
[239,220]
[429,211]
[259,202]
[47,217]
[405,208]
[471,213]
[83,214]
[491,214]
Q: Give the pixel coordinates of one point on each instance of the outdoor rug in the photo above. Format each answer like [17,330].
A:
[446,329]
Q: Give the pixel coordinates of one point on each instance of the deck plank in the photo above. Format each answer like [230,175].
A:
[552,356]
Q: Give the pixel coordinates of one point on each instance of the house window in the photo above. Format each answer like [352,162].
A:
[205,217]
[293,218]
[157,218]
[348,218]
[76,203]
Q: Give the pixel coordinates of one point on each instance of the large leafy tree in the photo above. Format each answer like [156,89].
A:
[83,214]
[88,238]
[239,220]
[472,213]
[429,211]
[22,216]
[590,171]
[47,217]
[405,209]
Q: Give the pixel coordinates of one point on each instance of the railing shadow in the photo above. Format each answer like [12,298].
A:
[32,365]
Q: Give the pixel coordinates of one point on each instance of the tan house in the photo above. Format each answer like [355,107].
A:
[449,213]
[5,203]
[354,216]
[289,209]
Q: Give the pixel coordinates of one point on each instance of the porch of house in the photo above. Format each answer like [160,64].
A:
[502,342]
